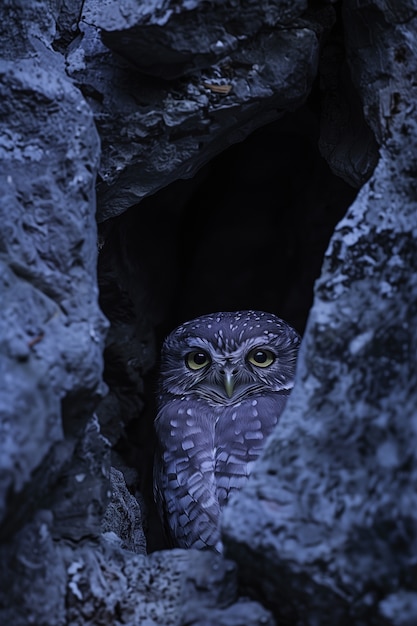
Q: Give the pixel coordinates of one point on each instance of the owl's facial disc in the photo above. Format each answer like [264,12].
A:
[221,384]
[200,360]
[229,377]
[259,357]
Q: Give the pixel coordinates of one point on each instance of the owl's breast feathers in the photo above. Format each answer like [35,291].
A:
[205,454]
[240,435]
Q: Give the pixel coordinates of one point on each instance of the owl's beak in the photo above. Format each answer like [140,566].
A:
[229,382]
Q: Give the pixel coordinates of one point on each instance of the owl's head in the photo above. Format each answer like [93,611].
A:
[227,356]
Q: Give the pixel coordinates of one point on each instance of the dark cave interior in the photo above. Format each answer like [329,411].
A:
[249,231]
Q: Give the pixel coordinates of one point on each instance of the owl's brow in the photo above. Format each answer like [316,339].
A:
[246,344]
[230,346]
[198,342]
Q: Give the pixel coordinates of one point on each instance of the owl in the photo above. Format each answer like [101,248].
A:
[224,381]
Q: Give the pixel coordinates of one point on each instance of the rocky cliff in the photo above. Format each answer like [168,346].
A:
[164,159]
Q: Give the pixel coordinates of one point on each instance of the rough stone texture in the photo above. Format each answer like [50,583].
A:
[169,39]
[51,329]
[325,533]
[327,527]
[122,521]
[346,141]
[155,131]
[98,583]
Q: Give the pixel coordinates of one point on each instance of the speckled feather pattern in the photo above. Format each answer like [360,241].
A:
[207,442]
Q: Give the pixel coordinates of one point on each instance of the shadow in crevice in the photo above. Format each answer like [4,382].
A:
[248,232]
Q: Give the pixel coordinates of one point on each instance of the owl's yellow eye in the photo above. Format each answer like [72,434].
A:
[261,357]
[197,359]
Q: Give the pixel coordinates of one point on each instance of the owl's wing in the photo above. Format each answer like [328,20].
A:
[184,482]
[240,437]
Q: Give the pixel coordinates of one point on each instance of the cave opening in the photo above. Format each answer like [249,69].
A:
[98,121]
[249,231]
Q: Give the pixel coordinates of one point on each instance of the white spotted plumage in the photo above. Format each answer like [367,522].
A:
[224,382]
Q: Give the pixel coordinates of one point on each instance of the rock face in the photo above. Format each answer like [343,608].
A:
[52,330]
[170,39]
[105,107]
[328,522]
[123,519]
[234,71]
[97,583]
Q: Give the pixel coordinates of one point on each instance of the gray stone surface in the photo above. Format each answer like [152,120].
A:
[325,532]
[98,583]
[328,523]
[123,519]
[169,39]
[346,140]
[51,328]
[155,131]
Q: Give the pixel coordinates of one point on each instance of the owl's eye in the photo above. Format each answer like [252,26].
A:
[197,359]
[261,357]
